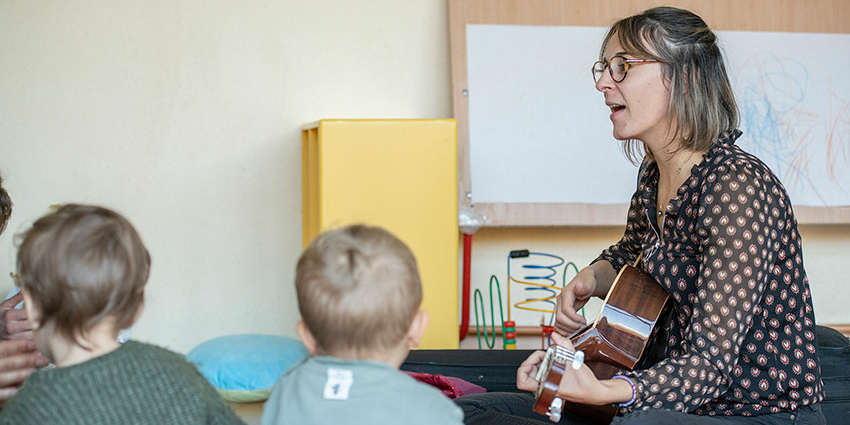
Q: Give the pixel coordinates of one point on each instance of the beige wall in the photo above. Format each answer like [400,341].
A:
[185,116]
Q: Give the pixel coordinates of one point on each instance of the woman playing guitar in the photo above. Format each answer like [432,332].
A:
[714,227]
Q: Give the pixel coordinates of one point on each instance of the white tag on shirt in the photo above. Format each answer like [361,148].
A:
[338,384]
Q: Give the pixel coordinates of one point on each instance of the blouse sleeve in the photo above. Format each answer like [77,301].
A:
[626,250]
[740,216]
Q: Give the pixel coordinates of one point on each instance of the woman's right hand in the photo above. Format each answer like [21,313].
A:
[571,299]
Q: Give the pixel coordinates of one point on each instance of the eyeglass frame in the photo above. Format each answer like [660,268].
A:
[628,63]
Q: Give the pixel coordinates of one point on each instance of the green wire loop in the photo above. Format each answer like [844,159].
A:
[476,296]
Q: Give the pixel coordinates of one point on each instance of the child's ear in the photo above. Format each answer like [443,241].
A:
[417,328]
[306,337]
[33,315]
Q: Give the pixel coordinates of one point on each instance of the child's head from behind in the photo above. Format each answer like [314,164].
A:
[79,265]
[358,291]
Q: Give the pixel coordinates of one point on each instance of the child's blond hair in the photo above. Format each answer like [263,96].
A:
[358,290]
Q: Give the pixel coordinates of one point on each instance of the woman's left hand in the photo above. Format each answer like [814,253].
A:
[526,375]
[581,386]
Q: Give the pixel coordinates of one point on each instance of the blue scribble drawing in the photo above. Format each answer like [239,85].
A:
[786,134]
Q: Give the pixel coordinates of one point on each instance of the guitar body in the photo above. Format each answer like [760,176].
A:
[619,337]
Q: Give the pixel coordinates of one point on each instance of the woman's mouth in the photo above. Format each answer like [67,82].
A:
[616,108]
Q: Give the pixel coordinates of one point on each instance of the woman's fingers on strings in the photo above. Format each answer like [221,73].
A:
[562,323]
[539,355]
[571,299]
[562,341]
[526,379]
[534,359]
[577,318]
[567,306]
[566,326]
[568,320]
[530,365]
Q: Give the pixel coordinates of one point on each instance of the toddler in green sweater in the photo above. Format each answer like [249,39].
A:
[83,271]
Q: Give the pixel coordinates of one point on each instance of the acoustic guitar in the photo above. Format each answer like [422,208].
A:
[617,340]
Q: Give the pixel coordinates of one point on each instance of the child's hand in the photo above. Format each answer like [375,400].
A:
[527,372]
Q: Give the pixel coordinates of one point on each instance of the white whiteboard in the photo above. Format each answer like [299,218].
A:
[539,132]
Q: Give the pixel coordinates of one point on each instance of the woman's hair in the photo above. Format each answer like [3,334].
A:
[358,290]
[701,98]
[82,264]
[5,206]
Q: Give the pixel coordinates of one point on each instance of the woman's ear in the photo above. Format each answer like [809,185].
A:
[33,315]
[306,337]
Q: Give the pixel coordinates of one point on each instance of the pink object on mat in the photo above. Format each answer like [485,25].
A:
[450,386]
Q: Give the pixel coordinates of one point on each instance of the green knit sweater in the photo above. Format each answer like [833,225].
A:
[135,384]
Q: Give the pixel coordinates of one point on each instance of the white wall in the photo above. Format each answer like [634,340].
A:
[186,117]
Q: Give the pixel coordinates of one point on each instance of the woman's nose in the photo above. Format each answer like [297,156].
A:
[605,82]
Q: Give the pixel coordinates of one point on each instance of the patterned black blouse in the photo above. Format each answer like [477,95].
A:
[742,337]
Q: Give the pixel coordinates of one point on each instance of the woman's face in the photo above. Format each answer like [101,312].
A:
[639,103]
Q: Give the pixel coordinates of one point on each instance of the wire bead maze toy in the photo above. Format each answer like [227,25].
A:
[540,290]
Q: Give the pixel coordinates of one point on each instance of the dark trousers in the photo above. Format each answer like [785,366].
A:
[516,409]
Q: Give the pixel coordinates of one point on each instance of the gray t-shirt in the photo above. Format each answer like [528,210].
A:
[327,390]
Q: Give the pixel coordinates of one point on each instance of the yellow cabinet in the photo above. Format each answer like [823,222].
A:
[398,174]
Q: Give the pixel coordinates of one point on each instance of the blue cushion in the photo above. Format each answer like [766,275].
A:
[244,368]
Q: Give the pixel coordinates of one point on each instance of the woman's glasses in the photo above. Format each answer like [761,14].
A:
[618,66]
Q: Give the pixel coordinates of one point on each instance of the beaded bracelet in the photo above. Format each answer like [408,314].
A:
[634,389]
